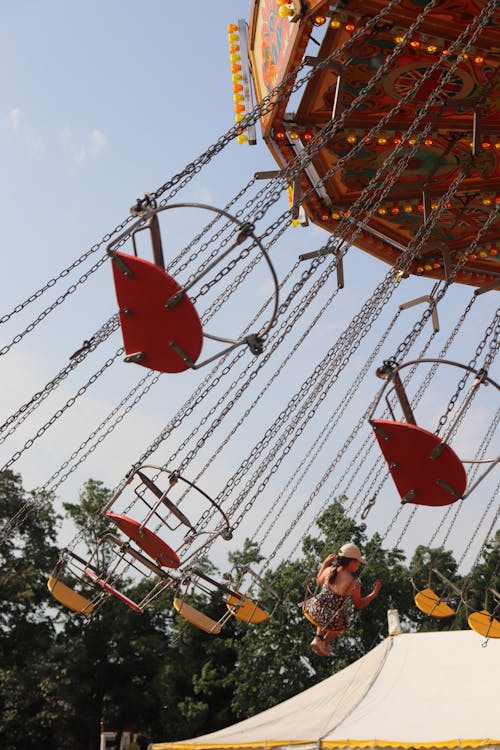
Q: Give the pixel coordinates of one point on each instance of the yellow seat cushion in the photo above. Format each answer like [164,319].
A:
[195,617]
[246,610]
[430,603]
[68,597]
[485,624]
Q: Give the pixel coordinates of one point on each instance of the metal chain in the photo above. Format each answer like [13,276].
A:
[476,531]
[274,342]
[41,491]
[479,455]
[52,307]
[266,387]
[329,378]
[61,411]
[262,445]
[153,378]
[24,411]
[472,365]
[378,465]
[204,232]
[324,435]
[379,462]
[286,88]
[49,284]
[189,407]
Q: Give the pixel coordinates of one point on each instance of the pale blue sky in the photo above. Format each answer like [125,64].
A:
[101,102]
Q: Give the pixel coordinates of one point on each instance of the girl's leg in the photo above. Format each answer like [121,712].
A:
[330,635]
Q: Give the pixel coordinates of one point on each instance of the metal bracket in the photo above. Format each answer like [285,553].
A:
[136,357]
[426,200]
[476,132]
[337,68]
[296,198]
[325,251]
[246,78]
[270,175]
[430,300]
[487,288]
[445,252]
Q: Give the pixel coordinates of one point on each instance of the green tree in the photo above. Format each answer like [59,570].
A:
[112,663]
[28,701]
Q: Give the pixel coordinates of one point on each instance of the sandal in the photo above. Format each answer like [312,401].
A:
[317,646]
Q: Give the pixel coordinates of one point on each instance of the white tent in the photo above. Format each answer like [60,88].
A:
[417,690]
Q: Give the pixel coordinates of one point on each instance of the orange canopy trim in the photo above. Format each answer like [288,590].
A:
[319,744]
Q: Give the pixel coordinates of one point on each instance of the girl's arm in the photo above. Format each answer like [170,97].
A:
[326,564]
[360,602]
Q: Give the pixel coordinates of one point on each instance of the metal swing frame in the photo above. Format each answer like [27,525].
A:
[484,620]
[246,608]
[197,579]
[148,212]
[439,603]
[161,502]
[390,372]
[67,596]
[110,578]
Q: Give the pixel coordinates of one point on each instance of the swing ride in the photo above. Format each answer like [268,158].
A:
[376,100]
[392,148]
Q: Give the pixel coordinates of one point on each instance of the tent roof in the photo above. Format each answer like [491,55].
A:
[415,690]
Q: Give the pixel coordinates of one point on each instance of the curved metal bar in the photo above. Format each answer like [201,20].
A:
[395,369]
[247,229]
[147,217]
[225,533]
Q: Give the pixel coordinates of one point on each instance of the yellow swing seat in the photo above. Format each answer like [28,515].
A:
[197,618]
[246,610]
[317,625]
[485,624]
[431,604]
[69,598]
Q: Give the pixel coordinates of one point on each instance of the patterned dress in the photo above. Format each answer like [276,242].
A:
[327,609]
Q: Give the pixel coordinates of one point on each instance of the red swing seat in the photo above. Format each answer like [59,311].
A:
[425,471]
[114,592]
[150,330]
[147,540]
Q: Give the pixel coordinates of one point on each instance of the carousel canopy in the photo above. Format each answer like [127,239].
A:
[412,690]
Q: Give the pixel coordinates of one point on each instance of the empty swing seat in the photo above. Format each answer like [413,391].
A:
[246,610]
[431,604]
[197,618]
[485,624]
[425,470]
[69,598]
[147,540]
[151,330]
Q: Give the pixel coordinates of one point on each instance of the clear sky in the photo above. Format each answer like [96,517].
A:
[100,103]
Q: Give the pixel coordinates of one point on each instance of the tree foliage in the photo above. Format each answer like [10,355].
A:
[60,675]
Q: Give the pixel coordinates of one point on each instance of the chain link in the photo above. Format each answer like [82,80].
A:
[472,365]
[286,88]
[324,435]
[61,411]
[52,307]
[24,411]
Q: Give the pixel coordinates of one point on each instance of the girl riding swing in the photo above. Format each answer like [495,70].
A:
[327,610]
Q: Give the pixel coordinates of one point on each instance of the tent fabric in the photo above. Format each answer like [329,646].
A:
[415,690]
